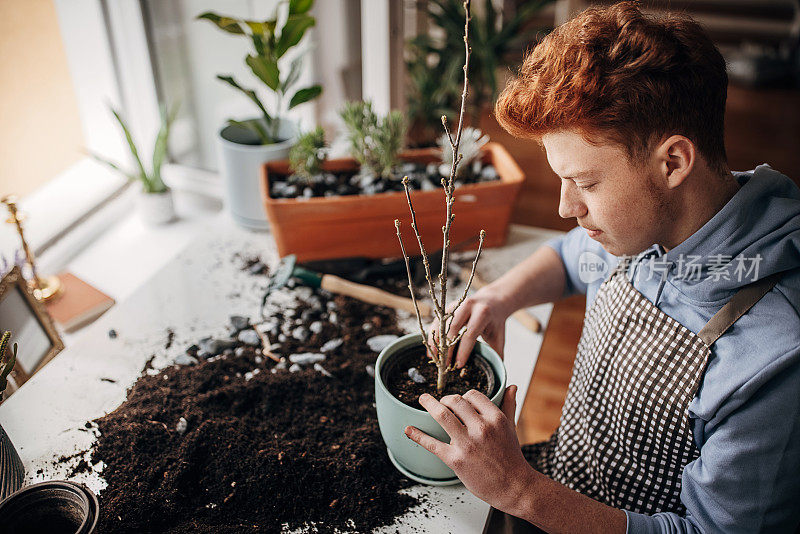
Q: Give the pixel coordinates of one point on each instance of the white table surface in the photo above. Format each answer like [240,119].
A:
[194,293]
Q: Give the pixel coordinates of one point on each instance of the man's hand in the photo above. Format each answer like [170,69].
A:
[484,314]
[484,450]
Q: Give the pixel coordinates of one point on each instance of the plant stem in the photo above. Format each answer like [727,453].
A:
[443,343]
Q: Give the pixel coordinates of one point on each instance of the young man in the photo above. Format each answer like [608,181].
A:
[683,413]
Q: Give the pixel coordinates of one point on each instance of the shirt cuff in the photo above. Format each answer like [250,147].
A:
[639,524]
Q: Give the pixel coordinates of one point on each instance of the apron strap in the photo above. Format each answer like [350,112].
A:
[744,299]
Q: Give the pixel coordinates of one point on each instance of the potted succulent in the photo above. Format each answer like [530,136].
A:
[154,203]
[419,363]
[12,471]
[335,207]
[243,146]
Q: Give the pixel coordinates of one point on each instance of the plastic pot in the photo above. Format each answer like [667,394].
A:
[240,160]
[393,415]
[12,472]
[55,507]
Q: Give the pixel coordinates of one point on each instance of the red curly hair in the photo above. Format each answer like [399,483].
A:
[615,74]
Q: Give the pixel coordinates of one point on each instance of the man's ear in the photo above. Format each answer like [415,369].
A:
[676,157]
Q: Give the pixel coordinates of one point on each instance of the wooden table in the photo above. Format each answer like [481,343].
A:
[193,295]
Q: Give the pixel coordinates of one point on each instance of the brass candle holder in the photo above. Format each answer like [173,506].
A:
[44,287]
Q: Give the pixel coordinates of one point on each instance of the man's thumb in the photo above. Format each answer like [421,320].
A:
[510,403]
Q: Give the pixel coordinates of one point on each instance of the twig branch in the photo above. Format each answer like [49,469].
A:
[442,343]
[472,273]
[411,290]
[425,262]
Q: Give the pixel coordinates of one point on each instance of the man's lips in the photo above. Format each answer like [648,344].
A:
[593,232]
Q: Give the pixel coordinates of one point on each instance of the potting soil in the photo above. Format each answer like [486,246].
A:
[262,449]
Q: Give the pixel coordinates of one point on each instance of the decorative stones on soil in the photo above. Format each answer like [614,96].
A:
[421,177]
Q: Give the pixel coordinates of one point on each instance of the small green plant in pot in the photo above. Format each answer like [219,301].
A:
[375,142]
[307,156]
[155,201]
[12,471]
[244,145]
[418,363]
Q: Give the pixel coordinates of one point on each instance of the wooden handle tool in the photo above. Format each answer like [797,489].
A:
[372,295]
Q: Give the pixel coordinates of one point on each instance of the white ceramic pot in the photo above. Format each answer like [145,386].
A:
[156,208]
[240,161]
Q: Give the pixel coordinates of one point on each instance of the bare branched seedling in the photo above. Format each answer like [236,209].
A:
[440,350]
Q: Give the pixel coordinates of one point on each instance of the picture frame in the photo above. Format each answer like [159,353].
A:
[30,325]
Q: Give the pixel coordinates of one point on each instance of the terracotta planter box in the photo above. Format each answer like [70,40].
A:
[363,225]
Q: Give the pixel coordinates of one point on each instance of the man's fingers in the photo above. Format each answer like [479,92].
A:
[449,422]
[480,402]
[432,444]
[468,340]
[510,403]
[462,408]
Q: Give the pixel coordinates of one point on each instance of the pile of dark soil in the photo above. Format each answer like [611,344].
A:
[238,443]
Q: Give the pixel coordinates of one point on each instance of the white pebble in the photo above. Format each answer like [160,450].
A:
[294,368]
[378,343]
[331,345]
[258,359]
[181,427]
[371,370]
[318,367]
[306,358]
[415,375]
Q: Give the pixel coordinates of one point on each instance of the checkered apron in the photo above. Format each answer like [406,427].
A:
[624,435]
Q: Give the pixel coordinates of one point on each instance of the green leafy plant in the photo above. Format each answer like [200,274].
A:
[151,181]
[493,41]
[308,154]
[271,40]
[432,91]
[7,367]
[375,143]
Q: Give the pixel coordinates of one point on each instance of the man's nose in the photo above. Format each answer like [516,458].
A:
[569,205]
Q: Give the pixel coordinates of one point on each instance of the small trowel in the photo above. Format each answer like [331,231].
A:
[288,268]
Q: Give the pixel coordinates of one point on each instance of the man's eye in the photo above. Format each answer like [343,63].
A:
[588,187]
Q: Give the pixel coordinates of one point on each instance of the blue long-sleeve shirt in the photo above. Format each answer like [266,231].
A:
[746,413]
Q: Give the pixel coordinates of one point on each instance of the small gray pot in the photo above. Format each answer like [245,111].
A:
[240,161]
[393,416]
[55,507]
[12,472]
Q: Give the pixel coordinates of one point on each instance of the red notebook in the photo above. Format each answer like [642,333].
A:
[78,304]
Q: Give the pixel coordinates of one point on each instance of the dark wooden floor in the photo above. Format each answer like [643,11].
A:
[762,126]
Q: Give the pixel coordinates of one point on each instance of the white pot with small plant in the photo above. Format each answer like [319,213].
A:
[154,202]
[244,146]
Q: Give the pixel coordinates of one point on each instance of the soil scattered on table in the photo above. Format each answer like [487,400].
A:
[235,442]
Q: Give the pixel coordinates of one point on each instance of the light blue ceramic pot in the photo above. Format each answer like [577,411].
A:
[393,416]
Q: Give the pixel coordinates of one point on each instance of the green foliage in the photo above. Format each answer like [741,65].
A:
[375,143]
[492,40]
[7,367]
[433,90]
[271,40]
[151,181]
[307,156]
